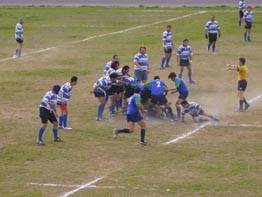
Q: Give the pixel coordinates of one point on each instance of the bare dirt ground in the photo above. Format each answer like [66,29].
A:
[125,2]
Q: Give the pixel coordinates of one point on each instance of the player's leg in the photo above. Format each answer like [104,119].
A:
[168,57]
[53,120]
[44,120]
[164,59]
[130,129]
[20,45]
[240,17]
[209,42]
[102,98]
[189,68]
[178,108]
[181,71]
[170,110]
[142,125]
[204,113]
[241,100]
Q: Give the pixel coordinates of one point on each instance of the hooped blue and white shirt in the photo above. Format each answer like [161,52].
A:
[193,109]
[212,27]
[248,16]
[49,101]
[19,31]
[167,39]
[142,61]
[65,92]
[184,52]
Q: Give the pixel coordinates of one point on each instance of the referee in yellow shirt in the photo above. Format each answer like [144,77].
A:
[242,82]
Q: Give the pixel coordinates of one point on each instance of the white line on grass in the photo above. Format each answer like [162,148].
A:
[106,34]
[239,125]
[81,187]
[255,98]
[53,185]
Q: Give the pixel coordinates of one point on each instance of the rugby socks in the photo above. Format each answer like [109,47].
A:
[241,102]
[19,52]
[16,52]
[214,47]
[178,109]
[124,130]
[61,120]
[55,132]
[190,76]
[208,47]
[167,61]
[40,134]
[142,135]
[100,110]
[65,120]
[245,36]
[163,62]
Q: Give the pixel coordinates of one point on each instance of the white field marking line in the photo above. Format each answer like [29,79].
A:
[107,34]
[177,139]
[239,125]
[255,98]
[81,187]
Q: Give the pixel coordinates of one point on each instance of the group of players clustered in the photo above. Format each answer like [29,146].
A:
[134,96]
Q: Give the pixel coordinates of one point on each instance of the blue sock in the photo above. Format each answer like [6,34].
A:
[61,120]
[55,132]
[65,120]
[214,47]
[100,110]
[167,61]
[40,134]
[120,103]
[163,62]
[190,75]
[245,36]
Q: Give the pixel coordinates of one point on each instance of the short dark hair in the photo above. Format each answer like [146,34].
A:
[113,75]
[125,67]
[184,102]
[137,90]
[168,26]
[56,88]
[115,64]
[242,60]
[172,75]
[114,56]
[186,40]
[156,77]
[74,78]
[142,47]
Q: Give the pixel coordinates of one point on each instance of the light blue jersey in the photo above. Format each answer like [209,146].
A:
[242,5]
[142,61]
[212,27]
[19,31]
[65,92]
[184,52]
[133,104]
[103,83]
[167,39]
[193,109]
[248,16]
[49,101]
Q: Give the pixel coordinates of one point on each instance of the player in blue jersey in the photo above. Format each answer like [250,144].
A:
[181,88]
[109,63]
[101,88]
[249,19]
[19,37]
[184,59]
[47,109]
[167,40]
[195,110]
[242,7]
[141,67]
[212,31]
[134,115]
[63,97]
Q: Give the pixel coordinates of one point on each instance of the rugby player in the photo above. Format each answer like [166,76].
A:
[19,37]
[168,46]
[242,7]
[141,68]
[249,19]
[212,31]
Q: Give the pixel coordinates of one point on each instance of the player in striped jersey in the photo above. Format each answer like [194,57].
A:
[212,30]
[47,109]
[242,7]
[141,65]
[242,82]
[184,59]
[249,19]
[63,97]
[19,37]
[195,110]
[101,88]
[134,115]
[109,63]
[168,46]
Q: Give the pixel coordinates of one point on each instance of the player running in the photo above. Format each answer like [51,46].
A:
[249,19]
[242,7]
[134,115]
[242,82]
[100,91]
[212,30]
[48,112]
[181,88]
[195,110]
[63,97]
[184,59]
[141,65]
[168,46]
[19,37]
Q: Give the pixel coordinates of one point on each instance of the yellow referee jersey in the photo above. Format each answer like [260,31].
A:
[242,72]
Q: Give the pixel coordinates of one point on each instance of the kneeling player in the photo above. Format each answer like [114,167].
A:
[134,115]
[195,110]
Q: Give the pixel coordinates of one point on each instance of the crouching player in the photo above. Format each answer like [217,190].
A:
[63,97]
[134,115]
[48,112]
[195,110]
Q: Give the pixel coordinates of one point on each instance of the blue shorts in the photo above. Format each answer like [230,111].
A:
[140,75]
[99,93]
[183,95]
[133,118]
[159,100]
[184,62]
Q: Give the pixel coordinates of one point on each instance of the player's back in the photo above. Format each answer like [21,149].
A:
[157,87]
[132,107]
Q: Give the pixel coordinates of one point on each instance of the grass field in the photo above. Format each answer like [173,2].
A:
[216,161]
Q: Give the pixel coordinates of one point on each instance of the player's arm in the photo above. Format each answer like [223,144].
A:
[191,55]
[195,120]
[218,29]
[178,57]
[139,105]
[206,31]
[231,67]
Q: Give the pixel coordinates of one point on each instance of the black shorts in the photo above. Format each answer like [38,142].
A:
[184,63]
[159,100]
[168,50]
[119,89]
[242,85]
[129,91]
[212,37]
[99,93]
[19,40]
[133,118]
[241,14]
[46,115]
[248,25]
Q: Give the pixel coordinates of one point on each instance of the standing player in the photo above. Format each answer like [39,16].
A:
[109,63]
[19,37]
[63,97]
[242,7]
[249,19]
[242,82]
[134,115]
[184,59]
[181,88]
[141,65]
[212,30]
[168,46]
[48,112]
[195,110]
